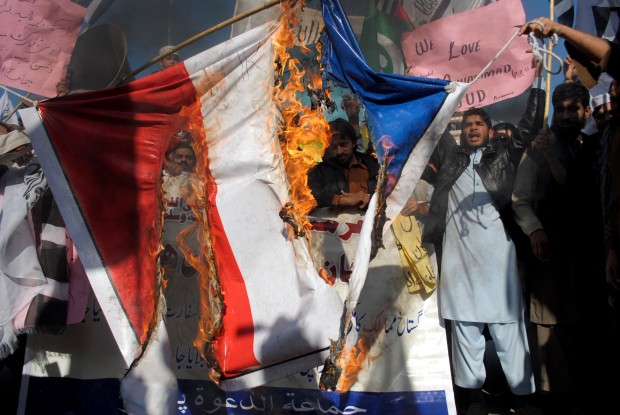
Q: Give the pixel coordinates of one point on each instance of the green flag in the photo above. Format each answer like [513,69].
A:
[384,23]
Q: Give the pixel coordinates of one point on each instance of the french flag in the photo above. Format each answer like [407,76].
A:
[103,152]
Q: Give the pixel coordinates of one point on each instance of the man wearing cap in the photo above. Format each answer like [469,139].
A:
[182,159]
[170,59]
[14,145]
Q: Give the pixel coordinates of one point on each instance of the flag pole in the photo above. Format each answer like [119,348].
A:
[202,34]
[549,63]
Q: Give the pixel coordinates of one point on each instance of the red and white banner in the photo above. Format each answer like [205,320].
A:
[452,48]
[102,153]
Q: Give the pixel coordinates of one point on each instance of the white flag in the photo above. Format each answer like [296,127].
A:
[6,108]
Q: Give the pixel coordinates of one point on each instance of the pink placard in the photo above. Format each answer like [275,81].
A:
[36,42]
[459,46]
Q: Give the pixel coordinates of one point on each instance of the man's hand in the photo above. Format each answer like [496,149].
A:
[63,87]
[540,244]
[612,271]
[359,199]
[544,142]
[541,27]
[410,208]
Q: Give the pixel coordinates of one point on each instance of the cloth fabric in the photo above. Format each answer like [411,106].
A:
[589,71]
[427,104]
[497,169]
[539,203]
[34,263]
[614,171]
[357,176]
[468,346]
[414,256]
[10,142]
[150,387]
[117,241]
[572,279]
[21,276]
[329,179]
[479,261]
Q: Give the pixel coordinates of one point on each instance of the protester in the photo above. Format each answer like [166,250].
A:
[181,159]
[612,268]
[15,147]
[346,178]
[34,268]
[352,108]
[593,54]
[468,212]
[555,202]
[569,69]
[168,60]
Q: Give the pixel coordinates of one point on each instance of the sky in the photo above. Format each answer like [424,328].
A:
[149,24]
[178,20]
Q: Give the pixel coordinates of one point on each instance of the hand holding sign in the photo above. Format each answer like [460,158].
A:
[459,46]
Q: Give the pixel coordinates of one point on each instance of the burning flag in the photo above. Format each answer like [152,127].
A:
[389,99]
[406,116]
[103,151]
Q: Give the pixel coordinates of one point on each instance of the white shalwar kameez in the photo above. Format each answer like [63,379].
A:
[479,285]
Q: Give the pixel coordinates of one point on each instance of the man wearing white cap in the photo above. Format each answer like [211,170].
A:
[168,60]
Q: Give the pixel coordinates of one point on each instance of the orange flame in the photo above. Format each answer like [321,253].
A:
[304,133]
[387,144]
[327,276]
[197,235]
[352,361]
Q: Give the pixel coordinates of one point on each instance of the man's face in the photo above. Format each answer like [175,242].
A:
[570,115]
[168,61]
[476,131]
[606,112]
[342,149]
[186,158]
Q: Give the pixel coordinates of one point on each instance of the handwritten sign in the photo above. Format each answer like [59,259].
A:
[36,42]
[458,47]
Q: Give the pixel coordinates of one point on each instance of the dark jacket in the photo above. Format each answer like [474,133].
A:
[497,169]
[327,179]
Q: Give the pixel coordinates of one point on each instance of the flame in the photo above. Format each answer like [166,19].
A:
[388,146]
[352,360]
[195,241]
[211,298]
[304,132]
[304,135]
[326,276]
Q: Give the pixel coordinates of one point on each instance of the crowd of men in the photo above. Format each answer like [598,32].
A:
[525,221]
